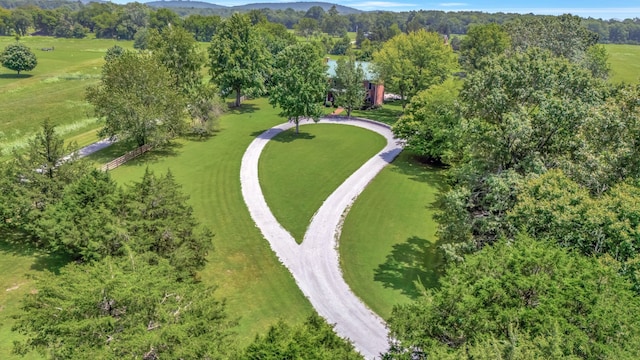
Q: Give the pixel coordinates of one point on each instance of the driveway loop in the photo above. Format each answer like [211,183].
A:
[315,264]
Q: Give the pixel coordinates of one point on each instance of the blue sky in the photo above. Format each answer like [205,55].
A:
[619,9]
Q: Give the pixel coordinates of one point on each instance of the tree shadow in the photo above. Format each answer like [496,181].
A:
[408,164]
[286,136]
[156,154]
[290,136]
[414,262]
[244,108]
[18,244]
[15,76]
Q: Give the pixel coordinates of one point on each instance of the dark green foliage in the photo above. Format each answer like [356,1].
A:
[431,123]
[349,90]
[18,57]
[342,46]
[137,100]
[123,308]
[481,43]
[299,83]
[239,60]
[313,340]
[113,52]
[36,179]
[522,300]
[84,222]
[553,207]
[160,221]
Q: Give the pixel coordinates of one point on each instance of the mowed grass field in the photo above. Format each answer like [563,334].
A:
[55,89]
[625,62]
[258,289]
[299,171]
[388,241]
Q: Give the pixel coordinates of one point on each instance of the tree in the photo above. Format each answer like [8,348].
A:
[411,63]
[307,27]
[137,100]
[431,124]
[161,222]
[563,35]
[84,222]
[113,52]
[524,296]
[239,59]
[178,51]
[22,20]
[299,82]
[335,24]
[314,340]
[123,308]
[349,88]
[482,42]
[34,180]
[18,57]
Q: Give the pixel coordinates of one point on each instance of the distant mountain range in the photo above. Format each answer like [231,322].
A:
[298,6]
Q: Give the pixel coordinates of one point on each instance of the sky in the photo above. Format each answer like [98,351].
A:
[608,9]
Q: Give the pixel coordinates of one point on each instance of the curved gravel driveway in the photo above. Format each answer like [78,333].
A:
[315,263]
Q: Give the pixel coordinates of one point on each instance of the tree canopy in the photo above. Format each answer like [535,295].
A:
[238,58]
[137,100]
[411,63]
[120,308]
[349,88]
[299,83]
[18,57]
[526,299]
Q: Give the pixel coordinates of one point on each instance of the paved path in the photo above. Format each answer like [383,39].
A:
[315,263]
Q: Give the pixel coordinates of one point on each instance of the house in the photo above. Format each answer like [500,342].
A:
[374,90]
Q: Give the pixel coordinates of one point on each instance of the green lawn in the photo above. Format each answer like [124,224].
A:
[388,238]
[625,62]
[18,264]
[55,89]
[298,172]
[388,113]
[257,287]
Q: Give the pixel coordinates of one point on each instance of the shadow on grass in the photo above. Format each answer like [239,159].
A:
[244,108]
[122,147]
[388,113]
[15,76]
[286,136]
[416,261]
[17,244]
[408,164]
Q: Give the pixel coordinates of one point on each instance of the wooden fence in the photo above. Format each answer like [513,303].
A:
[126,157]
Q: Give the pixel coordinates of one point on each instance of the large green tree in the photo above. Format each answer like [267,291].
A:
[122,308]
[35,179]
[526,299]
[431,124]
[411,63]
[178,51]
[18,57]
[137,99]
[482,42]
[349,84]
[299,83]
[239,60]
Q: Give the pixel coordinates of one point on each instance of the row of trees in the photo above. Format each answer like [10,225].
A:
[108,20]
[540,224]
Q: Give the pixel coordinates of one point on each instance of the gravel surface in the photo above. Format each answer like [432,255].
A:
[315,263]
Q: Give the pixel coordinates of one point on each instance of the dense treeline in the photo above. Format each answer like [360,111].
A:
[539,228]
[108,20]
